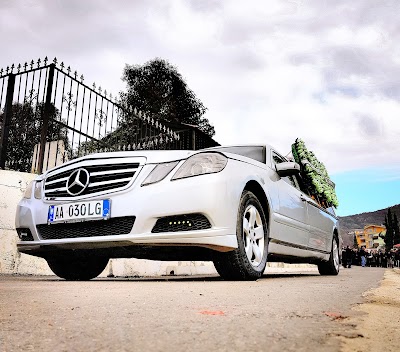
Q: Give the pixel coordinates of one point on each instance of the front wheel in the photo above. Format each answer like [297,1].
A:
[77,268]
[331,267]
[248,261]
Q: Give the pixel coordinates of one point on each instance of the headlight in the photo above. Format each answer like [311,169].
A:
[38,190]
[28,190]
[159,173]
[201,164]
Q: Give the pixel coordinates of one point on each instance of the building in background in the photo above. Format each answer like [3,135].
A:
[371,237]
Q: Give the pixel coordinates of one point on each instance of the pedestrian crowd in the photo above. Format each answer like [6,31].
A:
[370,257]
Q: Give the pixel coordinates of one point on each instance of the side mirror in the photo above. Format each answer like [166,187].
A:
[287,169]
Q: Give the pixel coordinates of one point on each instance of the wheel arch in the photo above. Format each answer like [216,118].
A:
[339,242]
[258,191]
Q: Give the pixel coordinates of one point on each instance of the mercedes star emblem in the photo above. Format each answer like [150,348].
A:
[77,182]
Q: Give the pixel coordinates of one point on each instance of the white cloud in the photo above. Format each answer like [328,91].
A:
[267,71]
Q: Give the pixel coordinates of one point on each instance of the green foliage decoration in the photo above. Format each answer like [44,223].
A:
[314,174]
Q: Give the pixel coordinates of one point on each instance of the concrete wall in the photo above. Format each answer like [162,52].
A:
[12,187]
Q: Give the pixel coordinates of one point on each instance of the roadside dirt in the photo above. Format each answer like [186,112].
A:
[377,321]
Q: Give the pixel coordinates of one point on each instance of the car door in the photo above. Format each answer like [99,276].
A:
[292,216]
[321,226]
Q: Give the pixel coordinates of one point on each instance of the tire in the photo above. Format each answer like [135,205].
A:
[248,261]
[331,267]
[77,267]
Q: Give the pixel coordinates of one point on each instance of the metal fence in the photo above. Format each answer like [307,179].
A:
[48,115]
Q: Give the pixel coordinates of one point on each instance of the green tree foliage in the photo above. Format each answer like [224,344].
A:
[25,133]
[396,230]
[392,229]
[159,89]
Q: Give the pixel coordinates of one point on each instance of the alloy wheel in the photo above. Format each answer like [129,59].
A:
[253,235]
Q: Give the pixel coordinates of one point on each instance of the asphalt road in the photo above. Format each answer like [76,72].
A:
[290,312]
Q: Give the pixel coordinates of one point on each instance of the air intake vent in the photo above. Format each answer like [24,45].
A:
[187,222]
[111,227]
[25,234]
[102,179]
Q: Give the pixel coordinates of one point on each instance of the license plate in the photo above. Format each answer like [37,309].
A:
[71,212]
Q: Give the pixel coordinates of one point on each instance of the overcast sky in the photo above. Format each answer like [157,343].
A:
[268,71]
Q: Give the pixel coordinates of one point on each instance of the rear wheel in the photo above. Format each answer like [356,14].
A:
[248,261]
[331,267]
[77,267]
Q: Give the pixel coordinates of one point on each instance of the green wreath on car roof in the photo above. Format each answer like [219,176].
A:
[314,174]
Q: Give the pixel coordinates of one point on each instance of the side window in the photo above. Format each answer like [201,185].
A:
[288,179]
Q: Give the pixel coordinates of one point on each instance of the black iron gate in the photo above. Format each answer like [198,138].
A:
[48,115]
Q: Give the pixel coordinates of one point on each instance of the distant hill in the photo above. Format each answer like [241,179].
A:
[358,221]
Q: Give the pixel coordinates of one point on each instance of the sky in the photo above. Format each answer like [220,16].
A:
[267,71]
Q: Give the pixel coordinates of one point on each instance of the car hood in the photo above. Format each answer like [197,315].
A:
[152,156]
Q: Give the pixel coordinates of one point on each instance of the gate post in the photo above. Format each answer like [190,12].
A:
[5,129]
[45,117]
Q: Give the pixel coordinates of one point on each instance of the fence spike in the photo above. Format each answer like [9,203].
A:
[45,61]
[111,96]
[55,61]
[1,72]
[19,68]
[7,69]
[25,66]
[69,69]
[94,85]
[62,65]
[75,74]
[32,63]
[38,62]
[12,68]
[105,93]
[82,78]
[100,89]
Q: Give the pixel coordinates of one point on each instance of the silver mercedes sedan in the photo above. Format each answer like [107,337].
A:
[237,206]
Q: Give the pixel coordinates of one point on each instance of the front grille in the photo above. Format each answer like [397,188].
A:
[113,226]
[108,177]
[25,234]
[186,222]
